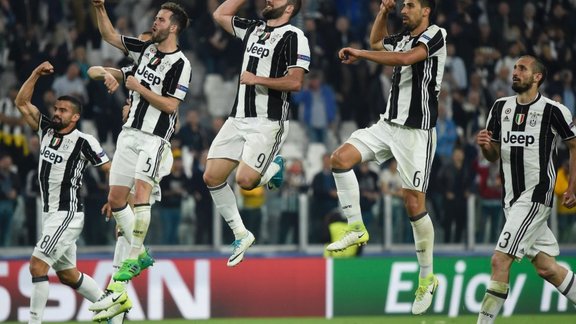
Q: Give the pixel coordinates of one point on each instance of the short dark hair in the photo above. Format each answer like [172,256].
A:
[430,4]
[297,5]
[179,15]
[76,104]
[538,67]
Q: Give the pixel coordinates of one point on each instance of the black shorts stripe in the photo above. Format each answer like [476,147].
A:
[58,234]
[275,147]
[429,160]
[523,228]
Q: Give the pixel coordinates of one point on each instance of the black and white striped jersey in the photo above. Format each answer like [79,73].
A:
[528,135]
[166,74]
[413,99]
[268,52]
[63,158]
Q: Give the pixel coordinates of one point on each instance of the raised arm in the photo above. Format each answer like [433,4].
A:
[30,112]
[380,26]
[292,81]
[419,53]
[111,76]
[105,26]
[224,13]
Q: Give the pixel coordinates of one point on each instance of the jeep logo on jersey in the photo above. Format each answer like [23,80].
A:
[518,139]
[51,156]
[258,50]
[148,76]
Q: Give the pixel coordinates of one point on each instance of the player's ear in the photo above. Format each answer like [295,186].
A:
[75,117]
[173,28]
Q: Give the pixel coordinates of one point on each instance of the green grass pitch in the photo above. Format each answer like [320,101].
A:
[432,319]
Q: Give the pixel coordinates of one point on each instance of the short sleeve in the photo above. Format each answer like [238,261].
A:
[298,51]
[134,47]
[178,79]
[93,151]
[562,122]
[434,38]
[241,25]
[493,122]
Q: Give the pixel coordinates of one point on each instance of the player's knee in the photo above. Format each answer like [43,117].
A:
[246,182]
[500,263]
[211,180]
[413,205]
[67,279]
[339,161]
[38,268]
[115,201]
[546,271]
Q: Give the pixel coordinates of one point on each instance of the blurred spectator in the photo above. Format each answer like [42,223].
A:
[502,84]
[174,189]
[31,194]
[455,179]
[324,200]
[446,134]
[318,107]
[490,220]
[192,133]
[9,190]
[12,137]
[294,185]
[455,70]
[566,216]
[252,209]
[369,185]
[71,84]
[96,231]
[391,185]
[204,208]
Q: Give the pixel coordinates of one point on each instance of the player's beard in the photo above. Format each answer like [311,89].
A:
[274,13]
[160,36]
[410,26]
[521,87]
[57,124]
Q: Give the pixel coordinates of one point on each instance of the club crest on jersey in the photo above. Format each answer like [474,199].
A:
[533,119]
[519,119]
[55,141]
[154,61]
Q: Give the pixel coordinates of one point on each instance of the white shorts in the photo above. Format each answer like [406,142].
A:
[57,245]
[526,231]
[412,148]
[142,156]
[256,141]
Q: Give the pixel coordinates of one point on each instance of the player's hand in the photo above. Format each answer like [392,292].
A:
[132,83]
[348,55]
[484,138]
[98,3]
[106,211]
[110,82]
[248,78]
[126,110]
[569,199]
[45,68]
[387,6]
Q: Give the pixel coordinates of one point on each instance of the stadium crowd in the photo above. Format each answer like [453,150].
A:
[485,38]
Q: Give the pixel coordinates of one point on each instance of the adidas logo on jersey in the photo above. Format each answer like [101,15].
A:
[258,50]
[518,139]
[148,76]
[51,156]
